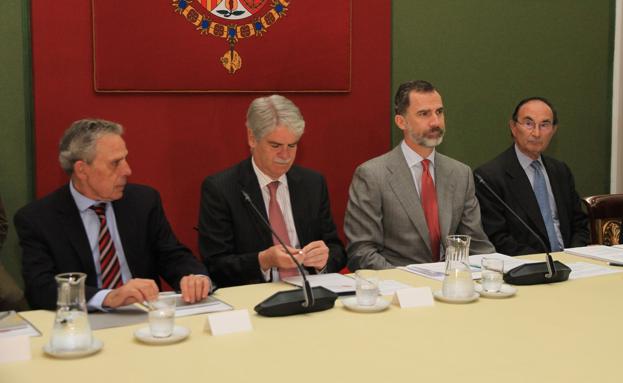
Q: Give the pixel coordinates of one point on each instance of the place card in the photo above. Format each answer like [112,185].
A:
[15,348]
[414,297]
[228,322]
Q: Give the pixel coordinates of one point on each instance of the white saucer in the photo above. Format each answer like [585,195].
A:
[144,335]
[506,291]
[439,296]
[351,304]
[96,345]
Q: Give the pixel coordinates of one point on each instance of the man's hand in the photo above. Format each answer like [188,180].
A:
[316,255]
[195,287]
[276,256]
[135,290]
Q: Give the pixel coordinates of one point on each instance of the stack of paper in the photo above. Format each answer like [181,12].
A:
[598,252]
[12,324]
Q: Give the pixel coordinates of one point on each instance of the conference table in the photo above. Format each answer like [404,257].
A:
[564,332]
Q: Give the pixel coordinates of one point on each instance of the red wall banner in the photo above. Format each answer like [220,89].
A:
[176,140]
[221,45]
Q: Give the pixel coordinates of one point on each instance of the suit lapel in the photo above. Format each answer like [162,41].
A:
[69,216]
[520,185]
[401,183]
[445,187]
[248,183]
[296,189]
[127,227]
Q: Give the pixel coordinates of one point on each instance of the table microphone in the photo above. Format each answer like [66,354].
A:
[531,273]
[291,302]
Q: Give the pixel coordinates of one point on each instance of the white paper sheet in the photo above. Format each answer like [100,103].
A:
[586,270]
[598,252]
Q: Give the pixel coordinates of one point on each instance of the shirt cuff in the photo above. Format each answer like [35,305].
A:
[96,302]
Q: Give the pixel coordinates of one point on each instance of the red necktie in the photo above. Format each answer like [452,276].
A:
[109,262]
[275,217]
[431,211]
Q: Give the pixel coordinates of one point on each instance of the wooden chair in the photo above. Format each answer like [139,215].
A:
[605,213]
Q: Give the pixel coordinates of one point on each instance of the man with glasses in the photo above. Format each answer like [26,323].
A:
[539,188]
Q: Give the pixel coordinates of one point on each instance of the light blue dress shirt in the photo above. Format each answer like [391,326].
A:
[525,162]
[414,161]
[92,227]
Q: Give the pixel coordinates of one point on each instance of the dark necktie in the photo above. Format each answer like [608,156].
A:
[278,223]
[109,262]
[540,191]
[431,211]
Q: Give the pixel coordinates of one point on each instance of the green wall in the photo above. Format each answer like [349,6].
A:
[16,175]
[486,55]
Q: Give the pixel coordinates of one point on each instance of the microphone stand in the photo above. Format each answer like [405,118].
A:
[309,296]
[284,302]
[531,274]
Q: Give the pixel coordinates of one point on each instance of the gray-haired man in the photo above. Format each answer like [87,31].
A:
[100,225]
[237,248]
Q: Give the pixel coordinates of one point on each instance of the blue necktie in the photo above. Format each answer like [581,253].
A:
[540,191]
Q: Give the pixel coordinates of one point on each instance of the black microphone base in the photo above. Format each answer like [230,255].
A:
[291,302]
[534,274]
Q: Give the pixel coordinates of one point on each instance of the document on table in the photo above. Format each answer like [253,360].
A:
[208,305]
[586,270]
[436,271]
[509,262]
[344,285]
[598,252]
[13,324]
[336,282]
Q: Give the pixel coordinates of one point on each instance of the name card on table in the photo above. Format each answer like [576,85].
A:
[228,322]
[15,348]
[414,297]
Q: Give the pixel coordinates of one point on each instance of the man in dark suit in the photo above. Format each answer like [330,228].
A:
[540,189]
[237,248]
[98,224]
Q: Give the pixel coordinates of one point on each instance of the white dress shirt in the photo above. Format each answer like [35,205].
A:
[283,198]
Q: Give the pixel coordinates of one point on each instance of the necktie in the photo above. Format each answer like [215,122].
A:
[109,262]
[540,191]
[275,217]
[431,211]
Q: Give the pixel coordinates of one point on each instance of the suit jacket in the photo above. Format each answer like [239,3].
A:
[53,241]
[385,222]
[506,177]
[231,234]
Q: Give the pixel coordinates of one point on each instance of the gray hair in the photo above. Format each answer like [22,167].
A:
[79,140]
[266,113]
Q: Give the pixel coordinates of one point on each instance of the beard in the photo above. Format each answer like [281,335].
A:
[424,140]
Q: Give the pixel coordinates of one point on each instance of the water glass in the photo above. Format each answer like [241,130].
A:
[367,287]
[492,274]
[162,316]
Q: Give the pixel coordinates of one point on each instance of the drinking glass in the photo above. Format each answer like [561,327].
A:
[367,287]
[162,316]
[492,274]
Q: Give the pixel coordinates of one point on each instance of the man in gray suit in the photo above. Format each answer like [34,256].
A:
[404,203]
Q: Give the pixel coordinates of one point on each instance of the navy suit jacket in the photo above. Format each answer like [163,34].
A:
[231,235]
[507,178]
[53,241]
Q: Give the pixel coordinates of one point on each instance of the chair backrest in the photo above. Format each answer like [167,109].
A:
[605,213]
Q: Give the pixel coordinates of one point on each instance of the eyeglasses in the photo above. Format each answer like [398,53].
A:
[531,125]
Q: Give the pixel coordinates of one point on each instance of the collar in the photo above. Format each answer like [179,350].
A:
[263,179]
[525,161]
[413,158]
[83,203]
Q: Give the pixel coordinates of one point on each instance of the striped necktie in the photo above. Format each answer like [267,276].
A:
[109,262]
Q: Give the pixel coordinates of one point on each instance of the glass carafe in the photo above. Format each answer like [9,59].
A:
[71,331]
[458,282]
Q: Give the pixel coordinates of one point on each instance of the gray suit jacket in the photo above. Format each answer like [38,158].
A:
[385,222]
